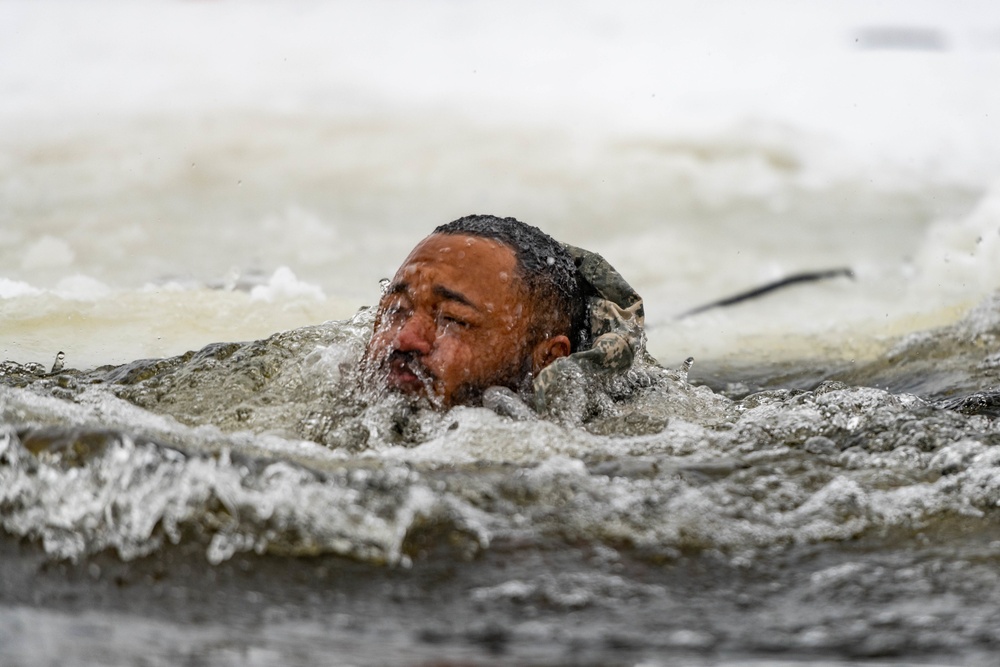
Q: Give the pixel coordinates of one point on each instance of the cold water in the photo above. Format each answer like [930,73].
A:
[197,201]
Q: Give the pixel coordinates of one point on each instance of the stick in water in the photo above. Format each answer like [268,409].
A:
[807,277]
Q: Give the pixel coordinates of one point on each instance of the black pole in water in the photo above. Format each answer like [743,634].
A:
[810,276]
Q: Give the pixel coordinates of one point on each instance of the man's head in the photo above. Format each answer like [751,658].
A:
[482,301]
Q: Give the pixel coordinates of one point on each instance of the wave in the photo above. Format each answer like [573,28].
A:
[268,447]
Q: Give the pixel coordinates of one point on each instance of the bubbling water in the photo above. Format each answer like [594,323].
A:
[269,447]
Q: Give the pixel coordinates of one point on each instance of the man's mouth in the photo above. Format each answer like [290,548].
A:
[407,373]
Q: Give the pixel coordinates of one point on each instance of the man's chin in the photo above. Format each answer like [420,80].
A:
[412,388]
[400,381]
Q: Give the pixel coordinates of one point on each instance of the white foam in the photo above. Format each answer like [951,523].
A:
[10,289]
[79,287]
[284,285]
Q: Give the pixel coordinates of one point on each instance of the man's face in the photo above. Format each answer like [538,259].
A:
[453,322]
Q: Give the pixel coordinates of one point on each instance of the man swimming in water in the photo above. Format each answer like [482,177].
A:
[492,302]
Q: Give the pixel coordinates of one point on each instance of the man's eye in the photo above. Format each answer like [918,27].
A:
[450,320]
[396,310]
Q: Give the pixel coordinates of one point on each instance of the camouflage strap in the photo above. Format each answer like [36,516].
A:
[616,327]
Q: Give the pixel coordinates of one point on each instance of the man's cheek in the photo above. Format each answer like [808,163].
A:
[468,365]
[381,340]
[448,360]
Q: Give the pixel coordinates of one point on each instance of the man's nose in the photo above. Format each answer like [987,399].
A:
[416,335]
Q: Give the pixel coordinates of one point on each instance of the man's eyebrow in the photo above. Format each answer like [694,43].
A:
[440,291]
[451,295]
[397,288]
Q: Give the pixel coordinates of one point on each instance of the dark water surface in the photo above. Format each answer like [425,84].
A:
[562,605]
[246,504]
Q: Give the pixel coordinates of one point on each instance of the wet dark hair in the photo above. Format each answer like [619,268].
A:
[546,268]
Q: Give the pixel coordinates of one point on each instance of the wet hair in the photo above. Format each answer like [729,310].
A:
[546,268]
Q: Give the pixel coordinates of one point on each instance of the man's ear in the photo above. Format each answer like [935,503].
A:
[548,351]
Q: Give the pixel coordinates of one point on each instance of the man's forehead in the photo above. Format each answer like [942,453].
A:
[456,267]
[476,257]
[455,245]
